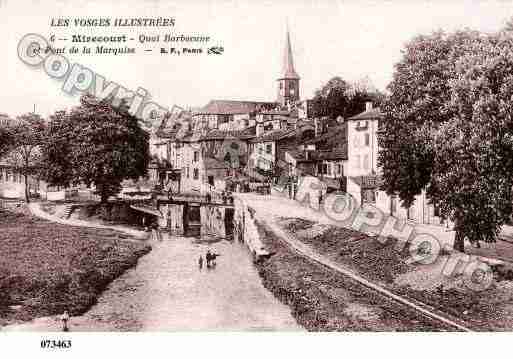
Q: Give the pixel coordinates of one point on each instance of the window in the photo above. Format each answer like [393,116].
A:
[339,169]
[366,162]
[393,205]
[367,139]
[196,174]
[196,156]
[268,148]
[187,172]
[410,213]
[436,211]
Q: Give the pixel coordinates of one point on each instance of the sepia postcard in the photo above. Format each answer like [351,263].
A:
[228,166]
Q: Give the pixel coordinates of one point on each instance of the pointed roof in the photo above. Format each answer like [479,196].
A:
[288,62]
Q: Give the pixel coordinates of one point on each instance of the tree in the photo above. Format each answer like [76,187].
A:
[448,128]
[5,139]
[95,144]
[339,98]
[25,138]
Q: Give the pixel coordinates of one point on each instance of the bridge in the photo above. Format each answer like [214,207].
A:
[210,214]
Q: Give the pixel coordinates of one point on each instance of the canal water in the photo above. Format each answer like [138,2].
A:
[167,291]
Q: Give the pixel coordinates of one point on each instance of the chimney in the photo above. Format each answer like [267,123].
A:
[368,105]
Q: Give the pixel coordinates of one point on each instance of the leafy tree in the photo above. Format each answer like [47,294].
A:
[339,98]
[25,138]
[95,144]
[448,128]
[5,139]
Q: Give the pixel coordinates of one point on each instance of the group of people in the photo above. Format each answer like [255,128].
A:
[210,259]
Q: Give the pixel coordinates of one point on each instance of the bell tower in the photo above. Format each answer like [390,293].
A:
[288,83]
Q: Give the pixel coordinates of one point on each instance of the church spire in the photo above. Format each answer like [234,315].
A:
[288,83]
[288,62]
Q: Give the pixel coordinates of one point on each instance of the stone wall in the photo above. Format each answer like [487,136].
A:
[246,229]
[172,219]
[213,221]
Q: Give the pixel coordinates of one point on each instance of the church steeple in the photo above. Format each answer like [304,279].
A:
[288,62]
[288,83]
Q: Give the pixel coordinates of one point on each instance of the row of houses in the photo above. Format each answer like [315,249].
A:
[228,142]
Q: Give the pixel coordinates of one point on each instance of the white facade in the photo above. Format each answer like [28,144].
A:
[362,147]
[363,151]
[263,155]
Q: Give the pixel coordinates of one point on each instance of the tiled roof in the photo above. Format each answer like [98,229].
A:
[368,182]
[170,126]
[334,154]
[188,137]
[221,134]
[274,135]
[373,114]
[231,107]
[276,112]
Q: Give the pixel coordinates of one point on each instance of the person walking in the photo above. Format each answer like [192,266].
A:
[64,320]
[200,262]
[208,257]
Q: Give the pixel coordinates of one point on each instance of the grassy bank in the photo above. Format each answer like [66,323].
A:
[47,268]
[323,300]
[491,309]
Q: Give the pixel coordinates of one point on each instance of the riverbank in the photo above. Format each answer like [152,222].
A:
[381,262]
[48,268]
[324,300]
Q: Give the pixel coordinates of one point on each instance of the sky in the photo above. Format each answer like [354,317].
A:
[347,38]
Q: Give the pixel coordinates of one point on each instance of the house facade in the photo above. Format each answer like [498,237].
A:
[364,175]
